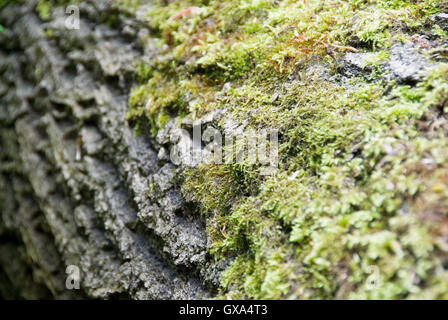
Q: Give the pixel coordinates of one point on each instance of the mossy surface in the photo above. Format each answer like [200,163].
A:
[44,7]
[358,207]
[362,186]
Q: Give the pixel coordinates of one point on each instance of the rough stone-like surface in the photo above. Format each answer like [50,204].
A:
[405,63]
[74,177]
[440,19]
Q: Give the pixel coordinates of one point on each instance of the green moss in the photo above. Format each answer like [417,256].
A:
[439,32]
[361,185]
[44,7]
[214,42]
[344,210]
[156,99]
[49,32]
[337,207]
[128,5]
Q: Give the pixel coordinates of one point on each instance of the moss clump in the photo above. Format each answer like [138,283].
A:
[158,99]
[215,42]
[44,7]
[355,209]
[346,204]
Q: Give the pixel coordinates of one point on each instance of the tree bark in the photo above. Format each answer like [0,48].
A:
[73,175]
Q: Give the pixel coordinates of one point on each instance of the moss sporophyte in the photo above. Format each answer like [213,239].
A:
[356,207]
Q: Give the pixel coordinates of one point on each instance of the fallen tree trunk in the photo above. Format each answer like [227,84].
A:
[79,187]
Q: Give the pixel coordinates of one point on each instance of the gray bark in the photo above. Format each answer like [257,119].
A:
[74,179]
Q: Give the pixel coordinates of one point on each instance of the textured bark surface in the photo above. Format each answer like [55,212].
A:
[73,175]
[358,91]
